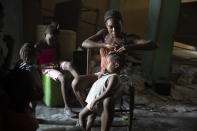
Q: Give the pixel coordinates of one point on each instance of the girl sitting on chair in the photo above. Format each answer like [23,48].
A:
[104,89]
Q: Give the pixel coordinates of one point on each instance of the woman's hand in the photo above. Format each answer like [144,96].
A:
[122,49]
[110,46]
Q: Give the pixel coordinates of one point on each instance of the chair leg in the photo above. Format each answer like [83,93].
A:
[121,105]
[88,61]
[131,107]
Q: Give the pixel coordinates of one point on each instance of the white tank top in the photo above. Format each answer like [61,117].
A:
[97,89]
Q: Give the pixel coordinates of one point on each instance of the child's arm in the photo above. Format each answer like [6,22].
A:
[101,73]
[111,86]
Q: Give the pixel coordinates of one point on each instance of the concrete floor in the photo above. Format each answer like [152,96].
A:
[151,113]
[145,119]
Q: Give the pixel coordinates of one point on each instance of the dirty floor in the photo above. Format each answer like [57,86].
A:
[173,116]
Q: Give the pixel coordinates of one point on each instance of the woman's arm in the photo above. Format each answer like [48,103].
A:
[94,41]
[137,43]
[142,44]
[112,83]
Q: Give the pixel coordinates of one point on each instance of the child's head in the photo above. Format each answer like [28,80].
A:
[51,33]
[113,21]
[115,62]
[28,53]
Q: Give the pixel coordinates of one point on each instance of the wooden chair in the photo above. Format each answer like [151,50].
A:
[131,92]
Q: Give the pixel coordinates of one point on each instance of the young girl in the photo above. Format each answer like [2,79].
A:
[107,86]
[49,55]
[28,55]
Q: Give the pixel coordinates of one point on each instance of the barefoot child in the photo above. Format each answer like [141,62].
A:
[104,87]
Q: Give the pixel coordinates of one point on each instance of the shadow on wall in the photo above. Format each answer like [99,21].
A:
[13,24]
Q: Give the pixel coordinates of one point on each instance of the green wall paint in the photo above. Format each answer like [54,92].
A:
[162,22]
[154,11]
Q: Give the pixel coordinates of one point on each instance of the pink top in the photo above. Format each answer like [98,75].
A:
[47,56]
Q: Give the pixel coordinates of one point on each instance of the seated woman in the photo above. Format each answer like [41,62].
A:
[109,39]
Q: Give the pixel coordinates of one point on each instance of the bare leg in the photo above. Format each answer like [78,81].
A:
[61,78]
[90,121]
[107,114]
[66,65]
[79,84]
[82,117]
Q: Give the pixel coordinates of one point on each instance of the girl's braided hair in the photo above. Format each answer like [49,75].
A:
[119,58]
